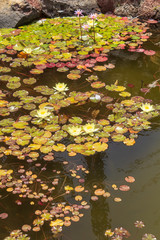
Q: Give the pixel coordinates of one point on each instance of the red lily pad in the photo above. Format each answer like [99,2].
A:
[3,215]
[101,59]
[60,65]
[124,188]
[41,66]
[149,52]
[140,50]
[70,65]
[50,65]
[130,179]
[152,21]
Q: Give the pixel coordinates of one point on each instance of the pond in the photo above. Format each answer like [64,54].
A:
[90,167]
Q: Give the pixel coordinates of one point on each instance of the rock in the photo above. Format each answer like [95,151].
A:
[14,13]
[106,5]
[127,9]
[149,9]
[53,8]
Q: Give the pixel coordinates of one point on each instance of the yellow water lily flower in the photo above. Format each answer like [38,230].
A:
[89,128]
[42,113]
[147,107]
[74,130]
[109,233]
[61,87]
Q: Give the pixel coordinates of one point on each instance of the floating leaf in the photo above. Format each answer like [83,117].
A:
[99,68]
[99,192]
[130,179]
[26,228]
[79,189]
[73,76]
[124,188]
[3,215]
[149,52]
[117,199]
[97,84]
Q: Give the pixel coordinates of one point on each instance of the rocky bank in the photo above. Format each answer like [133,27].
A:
[14,13]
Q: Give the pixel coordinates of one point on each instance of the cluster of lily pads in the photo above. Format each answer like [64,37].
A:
[121,233]
[46,124]
[37,120]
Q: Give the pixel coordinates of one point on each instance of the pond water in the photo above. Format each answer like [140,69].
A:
[102,170]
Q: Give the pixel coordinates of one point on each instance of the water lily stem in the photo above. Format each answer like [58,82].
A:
[94,34]
[80,27]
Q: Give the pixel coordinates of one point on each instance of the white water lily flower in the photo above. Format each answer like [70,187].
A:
[61,87]
[74,130]
[42,113]
[147,107]
[90,128]
[27,50]
[91,23]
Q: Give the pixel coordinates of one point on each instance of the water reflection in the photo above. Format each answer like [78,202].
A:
[100,209]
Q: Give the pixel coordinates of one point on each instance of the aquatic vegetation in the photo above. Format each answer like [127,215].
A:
[149,236]
[139,224]
[74,130]
[61,87]
[80,116]
[147,107]
[42,113]
[90,128]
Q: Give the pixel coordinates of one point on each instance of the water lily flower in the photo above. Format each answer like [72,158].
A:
[61,87]
[85,26]
[90,128]
[42,113]
[74,131]
[78,12]
[109,233]
[148,236]
[91,23]
[147,107]
[93,16]
[41,21]
[27,50]
[139,224]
